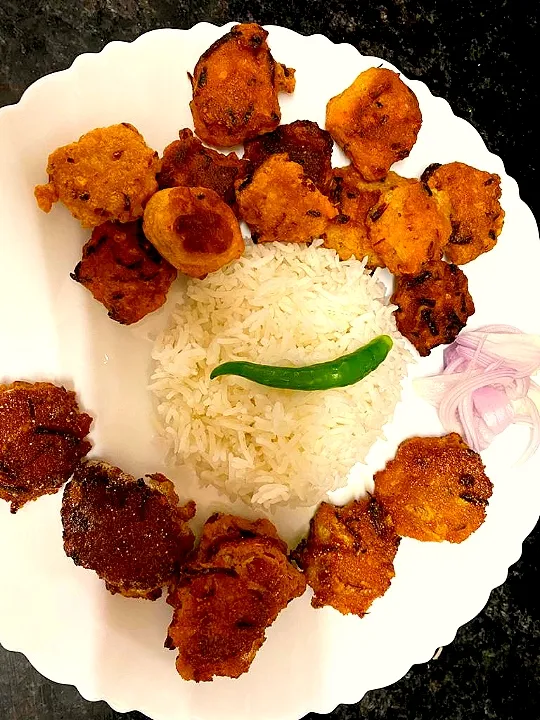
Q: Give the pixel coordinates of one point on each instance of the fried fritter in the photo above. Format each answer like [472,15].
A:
[376,121]
[193,229]
[348,556]
[227,595]
[435,489]
[235,85]
[124,272]
[108,174]
[133,533]
[475,211]
[280,203]
[303,142]
[433,306]
[42,438]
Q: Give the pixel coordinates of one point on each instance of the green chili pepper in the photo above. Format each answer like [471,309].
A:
[346,370]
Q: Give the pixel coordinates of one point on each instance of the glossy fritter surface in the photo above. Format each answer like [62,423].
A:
[124,272]
[194,229]
[108,174]
[376,121]
[433,306]
[475,211]
[42,438]
[133,533]
[280,203]
[235,85]
[435,489]
[228,594]
[348,557]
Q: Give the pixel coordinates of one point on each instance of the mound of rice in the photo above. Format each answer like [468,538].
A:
[280,304]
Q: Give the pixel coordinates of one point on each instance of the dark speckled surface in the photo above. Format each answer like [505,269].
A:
[481,57]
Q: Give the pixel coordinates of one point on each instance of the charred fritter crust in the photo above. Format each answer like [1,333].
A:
[226,597]
[133,533]
[303,142]
[348,556]
[280,203]
[124,272]
[475,211]
[188,163]
[433,306]
[435,489]
[108,174]
[376,121]
[235,85]
[42,439]
[193,229]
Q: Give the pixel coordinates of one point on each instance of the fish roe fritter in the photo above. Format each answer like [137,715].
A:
[435,489]
[132,533]
[280,203]
[235,88]
[303,142]
[42,439]
[108,174]
[227,595]
[476,214]
[124,271]
[194,229]
[188,163]
[433,306]
[375,121]
[348,556]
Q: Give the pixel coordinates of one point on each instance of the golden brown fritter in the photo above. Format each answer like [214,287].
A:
[475,211]
[133,533]
[108,174]
[42,439]
[348,556]
[188,163]
[193,229]
[280,203]
[303,142]
[376,121]
[433,306]
[227,595]
[235,85]
[435,489]
[124,272]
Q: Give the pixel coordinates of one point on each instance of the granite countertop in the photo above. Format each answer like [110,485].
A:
[481,57]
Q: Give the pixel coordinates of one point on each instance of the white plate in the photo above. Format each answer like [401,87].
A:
[59,615]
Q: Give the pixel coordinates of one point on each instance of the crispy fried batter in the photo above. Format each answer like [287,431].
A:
[475,211]
[133,533]
[108,174]
[124,272]
[376,121]
[433,306]
[228,594]
[348,556]
[42,438]
[235,85]
[280,203]
[435,489]
[193,229]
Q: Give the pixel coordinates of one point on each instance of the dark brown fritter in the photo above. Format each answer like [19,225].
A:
[304,143]
[133,533]
[227,595]
[348,557]
[475,211]
[235,85]
[124,271]
[42,438]
[435,489]
[433,306]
